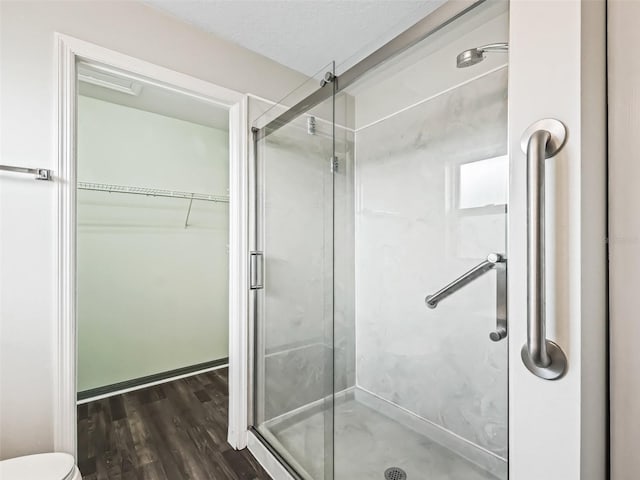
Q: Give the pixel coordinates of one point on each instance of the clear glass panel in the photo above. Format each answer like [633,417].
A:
[427,391]
[294,310]
[419,197]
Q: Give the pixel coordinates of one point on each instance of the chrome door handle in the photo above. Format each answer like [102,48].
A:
[541,356]
[256,271]
[494,261]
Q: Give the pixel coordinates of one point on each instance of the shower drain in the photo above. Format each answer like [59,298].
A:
[395,473]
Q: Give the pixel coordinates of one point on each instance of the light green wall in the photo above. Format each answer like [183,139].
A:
[152,295]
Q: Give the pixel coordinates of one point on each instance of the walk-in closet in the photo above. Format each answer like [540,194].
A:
[152,232]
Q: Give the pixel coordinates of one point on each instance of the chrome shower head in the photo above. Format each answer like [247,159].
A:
[469,57]
[475,55]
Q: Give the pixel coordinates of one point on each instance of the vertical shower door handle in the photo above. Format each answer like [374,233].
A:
[541,356]
[256,270]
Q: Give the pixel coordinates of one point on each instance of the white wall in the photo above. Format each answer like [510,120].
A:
[624,237]
[152,294]
[28,209]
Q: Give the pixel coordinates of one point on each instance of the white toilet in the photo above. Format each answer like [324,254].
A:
[44,466]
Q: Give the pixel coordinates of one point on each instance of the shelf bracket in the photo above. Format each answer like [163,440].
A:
[186,220]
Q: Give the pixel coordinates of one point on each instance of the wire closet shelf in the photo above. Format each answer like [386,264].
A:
[155,192]
[151,192]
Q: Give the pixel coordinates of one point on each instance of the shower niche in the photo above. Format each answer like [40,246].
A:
[398,189]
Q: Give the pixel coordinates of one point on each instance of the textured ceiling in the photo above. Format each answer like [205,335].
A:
[303,34]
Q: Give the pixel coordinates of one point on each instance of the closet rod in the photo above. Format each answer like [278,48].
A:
[151,192]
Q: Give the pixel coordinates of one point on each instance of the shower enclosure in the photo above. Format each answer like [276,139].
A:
[367,201]
[378,266]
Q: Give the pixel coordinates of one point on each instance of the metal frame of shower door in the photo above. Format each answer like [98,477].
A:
[433,22]
[570,87]
[258,445]
[256,441]
[436,20]
[429,25]
[253,312]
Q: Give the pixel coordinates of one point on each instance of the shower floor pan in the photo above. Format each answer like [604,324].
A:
[367,443]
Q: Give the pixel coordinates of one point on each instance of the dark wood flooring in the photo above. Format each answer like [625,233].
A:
[173,431]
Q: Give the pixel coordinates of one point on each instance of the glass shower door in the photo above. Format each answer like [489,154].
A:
[429,396]
[293,280]
[362,217]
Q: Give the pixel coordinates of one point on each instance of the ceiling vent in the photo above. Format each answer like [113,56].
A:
[112,82]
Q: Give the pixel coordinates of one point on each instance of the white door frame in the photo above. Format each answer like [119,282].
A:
[69,50]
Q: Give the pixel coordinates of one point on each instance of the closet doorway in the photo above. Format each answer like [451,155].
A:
[152,238]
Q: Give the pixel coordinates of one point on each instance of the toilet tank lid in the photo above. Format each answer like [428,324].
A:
[43,466]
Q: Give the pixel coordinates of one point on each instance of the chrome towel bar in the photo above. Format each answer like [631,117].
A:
[542,357]
[40,173]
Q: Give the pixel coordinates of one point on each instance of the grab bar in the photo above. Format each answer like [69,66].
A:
[40,173]
[541,356]
[494,260]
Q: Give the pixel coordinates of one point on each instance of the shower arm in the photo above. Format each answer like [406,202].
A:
[495,47]
[494,261]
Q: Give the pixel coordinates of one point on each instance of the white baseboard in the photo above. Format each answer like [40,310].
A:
[150,384]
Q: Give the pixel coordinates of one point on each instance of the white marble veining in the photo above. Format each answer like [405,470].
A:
[411,240]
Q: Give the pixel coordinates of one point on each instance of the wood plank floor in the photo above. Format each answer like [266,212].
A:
[173,431]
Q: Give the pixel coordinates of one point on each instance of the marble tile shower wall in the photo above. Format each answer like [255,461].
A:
[299,302]
[411,241]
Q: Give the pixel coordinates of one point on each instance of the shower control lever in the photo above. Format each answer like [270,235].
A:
[494,261]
